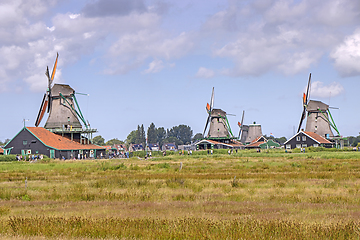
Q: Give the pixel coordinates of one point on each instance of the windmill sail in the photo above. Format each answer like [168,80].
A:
[42,110]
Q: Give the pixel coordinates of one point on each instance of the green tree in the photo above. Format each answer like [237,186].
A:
[182,132]
[142,135]
[98,140]
[131,138]
[151,134]
[160,135]
[197,136]
[114,141]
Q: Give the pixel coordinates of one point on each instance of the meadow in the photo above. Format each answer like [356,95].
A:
[246,195]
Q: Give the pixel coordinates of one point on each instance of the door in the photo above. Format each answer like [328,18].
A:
[52,153]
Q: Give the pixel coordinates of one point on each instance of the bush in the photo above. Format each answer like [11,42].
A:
[7,158]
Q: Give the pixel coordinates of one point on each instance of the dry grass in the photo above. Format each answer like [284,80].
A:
[270,196]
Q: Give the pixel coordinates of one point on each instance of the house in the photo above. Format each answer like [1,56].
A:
[187,147]
[168,147]
[1,151]
[120,147]
[307,139]
[262,143]
[38,140]
[153,147]
[213,144]
[136,147]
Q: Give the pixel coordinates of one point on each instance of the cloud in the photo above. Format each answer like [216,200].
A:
[103,8]
[284,36]
[205,73]
[346,55]
[155,66]
[318,89]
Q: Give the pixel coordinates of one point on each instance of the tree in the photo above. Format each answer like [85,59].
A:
[182,132]
[131,138]
[114,141]
[197,136]
[151,134]
[99,140]
[142,135]
[160,135]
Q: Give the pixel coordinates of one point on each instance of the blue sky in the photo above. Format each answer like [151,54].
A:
[144,61]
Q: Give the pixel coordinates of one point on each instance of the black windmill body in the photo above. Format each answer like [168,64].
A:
[64,112]
[217,121]
[318,116]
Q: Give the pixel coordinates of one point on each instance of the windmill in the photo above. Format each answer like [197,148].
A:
[219,124]
[46,102]
[64,111]
[243,129]
[319,119]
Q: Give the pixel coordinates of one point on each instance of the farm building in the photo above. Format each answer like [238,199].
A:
[212,144]
[136,147]
[38,140]
[168,147]
[307,139]
[262,143]
[120,147]
[153,147]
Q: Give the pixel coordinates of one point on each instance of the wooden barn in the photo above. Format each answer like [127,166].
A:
[262,143]
[38,140]
[305,139]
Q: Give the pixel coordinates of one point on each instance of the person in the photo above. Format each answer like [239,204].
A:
[208,151]
[212,152]
[229,151]
[150,154]
[190,152]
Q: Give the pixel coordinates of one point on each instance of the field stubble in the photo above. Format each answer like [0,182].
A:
[240,196]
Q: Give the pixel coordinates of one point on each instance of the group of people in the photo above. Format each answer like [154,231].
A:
[182,152]
[32,158]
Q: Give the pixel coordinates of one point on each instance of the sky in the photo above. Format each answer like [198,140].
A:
[144,61]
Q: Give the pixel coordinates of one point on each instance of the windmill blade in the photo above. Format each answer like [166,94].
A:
[47,73]
[49,101]
[208,108]
[302,118]
[212,100]
[207,122]
[308,90]
[54,69]
[40,115]
[241,124]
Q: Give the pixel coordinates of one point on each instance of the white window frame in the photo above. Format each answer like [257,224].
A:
[298,145]
[303,138]
[298,138]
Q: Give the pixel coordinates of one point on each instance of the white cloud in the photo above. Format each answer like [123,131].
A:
[205,73]
[346,56]
[318,89]
[73,16]
[155,66]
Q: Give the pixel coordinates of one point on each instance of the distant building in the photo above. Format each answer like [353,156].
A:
[212,144]
[307,139]
[262,143]
[153,147]
[168,147]
[1,151]
[136,147]
[120,147]
[187,147]
[38,140]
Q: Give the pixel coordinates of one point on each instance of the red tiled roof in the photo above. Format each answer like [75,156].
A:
[58,142]
[317,137]
[1,150]
[255,144]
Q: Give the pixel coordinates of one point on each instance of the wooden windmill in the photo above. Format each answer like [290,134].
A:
[219,124]
[319,119]
[64,111]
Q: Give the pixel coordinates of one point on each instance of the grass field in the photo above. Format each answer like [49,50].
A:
[243,196]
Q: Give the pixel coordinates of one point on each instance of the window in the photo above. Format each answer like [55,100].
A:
[288,146]
[298,138]
[315,128]
[24,142]
[315,145]
[298,145]
[304,145]
[304,138]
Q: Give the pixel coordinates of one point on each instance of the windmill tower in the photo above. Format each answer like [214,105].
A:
[319,119]
[64,111]
[254,131]
[219,124]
